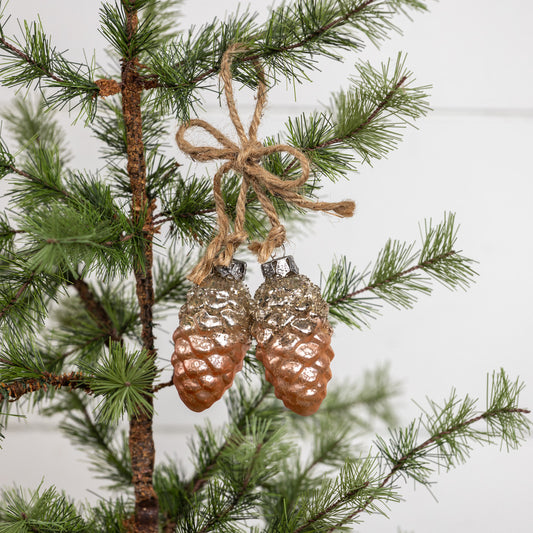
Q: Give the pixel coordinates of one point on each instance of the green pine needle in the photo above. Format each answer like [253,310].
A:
[31,60]
[452,427]
[370,116]
[76,332]
[24,295]
[33,127]
[171,283]
[40,510]
[111,515]
[124,379]
[106,449]
[398,276]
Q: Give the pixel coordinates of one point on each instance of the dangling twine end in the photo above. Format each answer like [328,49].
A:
[345,209]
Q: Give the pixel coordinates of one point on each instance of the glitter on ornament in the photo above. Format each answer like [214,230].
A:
[213,336]
[293,336]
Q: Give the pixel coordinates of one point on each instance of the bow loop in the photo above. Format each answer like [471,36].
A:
[205,153]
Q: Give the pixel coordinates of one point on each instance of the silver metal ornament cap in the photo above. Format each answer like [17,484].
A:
[280,267]
[235,270]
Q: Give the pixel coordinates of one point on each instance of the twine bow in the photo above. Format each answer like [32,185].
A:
[245,160]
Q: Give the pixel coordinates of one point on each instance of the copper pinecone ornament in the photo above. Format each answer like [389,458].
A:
[293,336]
[213,336]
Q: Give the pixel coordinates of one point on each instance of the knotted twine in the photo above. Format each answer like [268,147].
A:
[245,159]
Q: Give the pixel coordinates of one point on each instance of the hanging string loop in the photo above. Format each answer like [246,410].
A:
[245,159]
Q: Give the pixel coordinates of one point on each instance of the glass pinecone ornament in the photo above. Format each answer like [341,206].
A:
[213,336]
[293,336]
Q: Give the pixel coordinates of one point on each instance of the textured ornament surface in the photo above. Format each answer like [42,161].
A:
[211,341]
[293,340]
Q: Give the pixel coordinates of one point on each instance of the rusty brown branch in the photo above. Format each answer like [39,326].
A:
[18,388]
[96,310]
[108,87]
[141,443]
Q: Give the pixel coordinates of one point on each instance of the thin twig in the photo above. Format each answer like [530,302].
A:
[160,386]
[102,441]
[237,497]
[332,506]
[182,215]
[393,278]
[96,310]
[413,452]
[14,50]
[18,295]
[375,112]
[124,238]
[319,31]
[31,177]
[200,478]
[20,172]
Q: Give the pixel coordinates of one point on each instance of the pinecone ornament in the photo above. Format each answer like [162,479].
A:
[293,336]
[213,336]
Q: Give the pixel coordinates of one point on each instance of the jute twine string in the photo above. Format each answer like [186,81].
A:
[245,160]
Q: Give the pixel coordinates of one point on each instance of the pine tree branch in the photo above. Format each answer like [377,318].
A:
[153,81]
[142,449]
[399,274]
[371,117]
[97,438]
[392,279]
[18,295]
[318,32]
[96,310]
[193,214]
[334,505]
[35,61]
[312,36]
[108,244]
[431,441]
[25,57]
[20,172]
[201,477]
[18,388]
[40,510]
[160,386]
[38,180]
[237,497]
[320,458]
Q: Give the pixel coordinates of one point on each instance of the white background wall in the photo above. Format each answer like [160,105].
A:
[470,156]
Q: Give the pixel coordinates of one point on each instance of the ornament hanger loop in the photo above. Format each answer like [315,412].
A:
[245,160]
